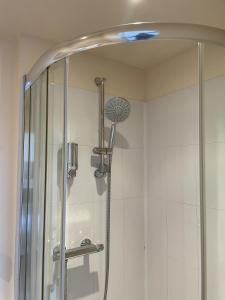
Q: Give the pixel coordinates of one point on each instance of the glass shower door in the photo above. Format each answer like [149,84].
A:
[41,274]
[33,193]
[53,285]
[214,169]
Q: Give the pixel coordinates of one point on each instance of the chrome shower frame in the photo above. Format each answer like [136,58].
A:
[118,35]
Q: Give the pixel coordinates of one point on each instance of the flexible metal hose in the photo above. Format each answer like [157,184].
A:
[108,223]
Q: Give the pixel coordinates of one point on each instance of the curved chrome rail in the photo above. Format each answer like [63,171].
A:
[123,34]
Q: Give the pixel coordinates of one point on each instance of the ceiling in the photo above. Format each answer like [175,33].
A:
[59,20]
[144,55]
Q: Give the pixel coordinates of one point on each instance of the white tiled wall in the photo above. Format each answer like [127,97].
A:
[215,191]
[87,198]
[163,153]
[172,231]
[172,196]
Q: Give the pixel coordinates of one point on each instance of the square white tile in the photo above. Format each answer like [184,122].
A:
[83,117]
[214,175]
[133,173]
[173,119]
[214,109]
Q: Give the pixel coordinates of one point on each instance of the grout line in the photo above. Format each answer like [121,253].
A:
[215,142]
[98,200]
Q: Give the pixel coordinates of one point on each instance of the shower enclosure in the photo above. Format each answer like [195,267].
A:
[155,231]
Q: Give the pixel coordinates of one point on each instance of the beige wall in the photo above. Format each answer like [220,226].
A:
[215,61]
[16,57]
[174,74]
[8,164]
[122,80]
[181,71]
[178,72]
[29,50]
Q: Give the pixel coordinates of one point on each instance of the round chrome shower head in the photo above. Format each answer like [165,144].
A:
[117,109]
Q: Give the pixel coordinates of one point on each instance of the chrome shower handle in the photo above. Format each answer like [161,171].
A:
[86,248]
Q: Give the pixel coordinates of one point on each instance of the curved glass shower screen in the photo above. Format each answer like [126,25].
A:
[176,124]
[33,196]
[43,187]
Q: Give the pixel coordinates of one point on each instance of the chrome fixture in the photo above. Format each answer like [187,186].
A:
[126,33]
[112,136]
[101,150]
[66,279]
[72,164]
[117,110]
[86,248]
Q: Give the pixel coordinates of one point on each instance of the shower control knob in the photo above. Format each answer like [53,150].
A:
[86,242]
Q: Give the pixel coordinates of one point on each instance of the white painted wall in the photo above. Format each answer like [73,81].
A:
[16,57]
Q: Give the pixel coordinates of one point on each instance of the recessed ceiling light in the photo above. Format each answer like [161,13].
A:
[136,1]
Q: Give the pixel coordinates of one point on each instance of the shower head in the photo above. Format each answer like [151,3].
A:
[117,109]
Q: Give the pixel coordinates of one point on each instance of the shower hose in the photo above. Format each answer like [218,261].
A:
[108,222]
